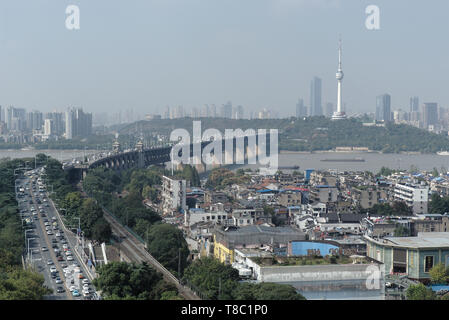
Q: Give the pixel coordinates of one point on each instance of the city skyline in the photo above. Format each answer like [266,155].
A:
[229,60]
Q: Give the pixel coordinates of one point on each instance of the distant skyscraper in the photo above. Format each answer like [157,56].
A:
[69,124]
[430,114]
[315,97]
[8,116]
[301,110]
[414,104]
[226,110]
[383,108]
[77,123]
[213,111]
[48,127]
[35,120]
[57,122]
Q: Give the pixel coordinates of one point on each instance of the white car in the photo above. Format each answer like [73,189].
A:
[68,253]
[72,288]
[85,286]
[52,269]
[69,258]
[65,246]
[49,232]
[85,281]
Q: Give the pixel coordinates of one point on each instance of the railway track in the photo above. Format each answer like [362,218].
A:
[135,251]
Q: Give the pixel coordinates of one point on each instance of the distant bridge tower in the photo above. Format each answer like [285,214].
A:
[116,147]
[141,155]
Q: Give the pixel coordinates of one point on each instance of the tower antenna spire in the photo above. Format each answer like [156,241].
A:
[339,53]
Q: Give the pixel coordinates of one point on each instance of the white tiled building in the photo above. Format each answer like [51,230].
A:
[173,195]
[416,196]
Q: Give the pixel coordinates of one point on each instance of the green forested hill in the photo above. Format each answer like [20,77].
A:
[314,133]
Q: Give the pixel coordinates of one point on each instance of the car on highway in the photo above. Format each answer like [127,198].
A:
[60,290]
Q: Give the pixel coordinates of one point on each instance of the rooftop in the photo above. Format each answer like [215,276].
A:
[423,240]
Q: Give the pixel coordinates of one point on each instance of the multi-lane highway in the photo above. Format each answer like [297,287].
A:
[50,249]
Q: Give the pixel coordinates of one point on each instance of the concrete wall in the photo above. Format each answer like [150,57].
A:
[316,273]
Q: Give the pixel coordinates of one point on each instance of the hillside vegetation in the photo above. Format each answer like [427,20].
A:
[314,133]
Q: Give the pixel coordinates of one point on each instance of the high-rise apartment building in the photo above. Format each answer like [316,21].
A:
[414,104]
[226,110]
[430,114]
[383,108]
[34,120]
[301,109]
[77,123]
[315,97]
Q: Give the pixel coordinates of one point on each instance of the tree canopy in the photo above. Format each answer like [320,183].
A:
[131,281]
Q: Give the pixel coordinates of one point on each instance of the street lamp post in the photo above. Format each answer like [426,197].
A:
[26,236]
[28,251]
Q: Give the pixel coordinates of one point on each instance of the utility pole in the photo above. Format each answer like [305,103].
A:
[219,289]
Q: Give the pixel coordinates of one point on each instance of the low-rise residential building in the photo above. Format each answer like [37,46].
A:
[289,198]
[226,240]
[367,197]
[410,256]
[323,194]
[415,196]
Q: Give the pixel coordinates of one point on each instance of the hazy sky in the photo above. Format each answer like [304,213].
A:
[146,54]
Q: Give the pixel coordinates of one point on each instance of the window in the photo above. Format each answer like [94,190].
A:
[428,263]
